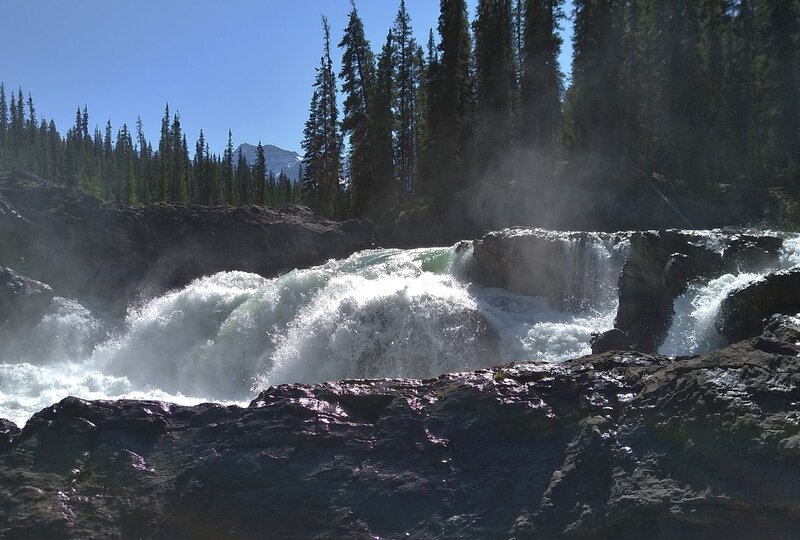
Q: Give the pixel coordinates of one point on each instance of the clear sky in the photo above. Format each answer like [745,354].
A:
[247,65]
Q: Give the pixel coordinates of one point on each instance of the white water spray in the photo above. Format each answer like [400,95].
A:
[693,330]
[378,313]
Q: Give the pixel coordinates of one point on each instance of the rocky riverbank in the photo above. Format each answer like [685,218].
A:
[107,255]
[618,445]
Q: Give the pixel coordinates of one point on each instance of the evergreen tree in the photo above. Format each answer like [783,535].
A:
[404,48]
[283,186]
[592,99]
[203,194]
[451,101]
[3,117]
[496,75]
[321,141]
[782,55]
[540,91]
[384,186]
[143,164]
[242,179]
[259,175]
[165,159]
[275,197]
[125,190]
[357,74]
[176,190]
[227,173]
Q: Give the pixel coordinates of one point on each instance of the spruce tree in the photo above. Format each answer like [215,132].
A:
[321,140]
[782,55]
[451,102]
[357,74]
[404,48]
[165,160]
[178,175]
[125,188]
[496,76]
[540,91]
[275,197]
[3,117]
[242,179]
[229,197]
[259,176]
[143,164]
[381,117]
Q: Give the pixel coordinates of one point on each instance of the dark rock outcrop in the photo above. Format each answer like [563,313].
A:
[610,340]
[538,262]
[743,312]
[109,254]
[620,445]
[22,299]
[662,264]
[659,268]
[784,327]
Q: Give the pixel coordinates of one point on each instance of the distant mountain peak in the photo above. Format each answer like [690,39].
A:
[277,158]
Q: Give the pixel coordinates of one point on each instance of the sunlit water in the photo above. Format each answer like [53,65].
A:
[693,329]
[378,313]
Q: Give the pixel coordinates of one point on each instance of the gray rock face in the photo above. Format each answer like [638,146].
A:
[743,312]
[662,264]
[538,262]
[609,446]
[660,267]
[22,299]
[111,253]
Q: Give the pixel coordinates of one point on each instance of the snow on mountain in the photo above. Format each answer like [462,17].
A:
[278,159]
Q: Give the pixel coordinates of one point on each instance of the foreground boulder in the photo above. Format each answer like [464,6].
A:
[620,445]
[743,312]
[105,253]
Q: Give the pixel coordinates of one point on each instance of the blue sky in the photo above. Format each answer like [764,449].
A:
[246,65]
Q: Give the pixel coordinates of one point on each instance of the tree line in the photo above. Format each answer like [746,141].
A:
[699,95]
[124,167]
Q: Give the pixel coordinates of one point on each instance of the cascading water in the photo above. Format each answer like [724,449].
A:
[378,313]
[693,330]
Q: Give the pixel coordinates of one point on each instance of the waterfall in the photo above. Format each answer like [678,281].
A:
[695,311]
[378,313]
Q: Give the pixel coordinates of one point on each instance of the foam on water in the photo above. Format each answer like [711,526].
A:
[378,313]
[695,311]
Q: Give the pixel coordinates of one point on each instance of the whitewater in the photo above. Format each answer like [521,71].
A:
[379,313]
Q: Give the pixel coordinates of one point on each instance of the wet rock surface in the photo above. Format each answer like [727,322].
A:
[617,445]
[539,262]
[110,254]
[662,264]
[743,313]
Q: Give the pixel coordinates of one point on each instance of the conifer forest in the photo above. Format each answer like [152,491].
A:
[689,100]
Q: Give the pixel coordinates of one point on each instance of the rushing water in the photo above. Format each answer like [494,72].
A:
[692,329]
[378,313]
